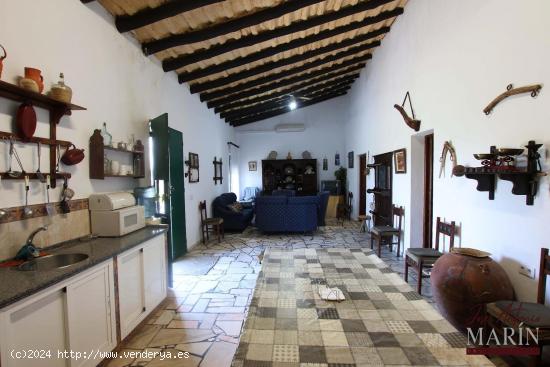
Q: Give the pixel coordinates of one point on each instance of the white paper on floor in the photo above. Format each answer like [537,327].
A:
[331,294]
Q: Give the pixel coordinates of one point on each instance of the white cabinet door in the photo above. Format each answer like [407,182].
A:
[154,272]
[36,325]
[130,290]
[91,315]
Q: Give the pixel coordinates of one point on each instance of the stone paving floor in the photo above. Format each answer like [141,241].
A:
[213,287]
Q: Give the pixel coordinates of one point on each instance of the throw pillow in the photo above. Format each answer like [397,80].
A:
[236,207]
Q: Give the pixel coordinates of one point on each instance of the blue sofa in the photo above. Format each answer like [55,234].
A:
[287,214]
[232,221]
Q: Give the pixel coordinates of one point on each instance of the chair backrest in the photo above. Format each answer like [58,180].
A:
[544,271]
[202,208]
[445,229]
[397,216]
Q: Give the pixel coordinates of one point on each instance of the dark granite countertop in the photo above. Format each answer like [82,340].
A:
[16,284]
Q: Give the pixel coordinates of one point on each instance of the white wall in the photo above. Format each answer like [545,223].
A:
[322,137]
[455,57]
[115,81]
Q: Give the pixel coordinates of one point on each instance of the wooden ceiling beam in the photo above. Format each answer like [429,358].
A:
[232,25]
[217,68]
[201,87]
[310,92]
[148,16]
[263,89]
[340,77]
[251,40]
[283,111]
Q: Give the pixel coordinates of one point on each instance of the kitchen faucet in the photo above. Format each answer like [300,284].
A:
[29,250]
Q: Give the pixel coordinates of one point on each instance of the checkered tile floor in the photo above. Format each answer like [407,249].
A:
[381,322]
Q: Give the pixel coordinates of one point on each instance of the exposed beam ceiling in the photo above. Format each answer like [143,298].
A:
[125,23]
[232,25]
[246,57]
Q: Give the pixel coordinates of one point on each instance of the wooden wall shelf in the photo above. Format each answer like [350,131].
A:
[32,176]
[18,94]
[525,182]
[97,156]
[57,111]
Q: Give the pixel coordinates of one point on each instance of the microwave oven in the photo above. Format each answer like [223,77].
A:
[116,223]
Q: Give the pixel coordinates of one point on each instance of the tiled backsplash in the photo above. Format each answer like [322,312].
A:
[61,227]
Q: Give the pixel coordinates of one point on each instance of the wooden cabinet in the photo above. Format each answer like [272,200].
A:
[141,282]
[76,315]
[291,174]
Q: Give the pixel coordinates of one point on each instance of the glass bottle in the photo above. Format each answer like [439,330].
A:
[61,91]
[107,138]
[137,166]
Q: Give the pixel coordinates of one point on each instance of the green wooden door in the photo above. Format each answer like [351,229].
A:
[177,193]
[168,174]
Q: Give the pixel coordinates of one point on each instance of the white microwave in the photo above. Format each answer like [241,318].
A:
[116,223]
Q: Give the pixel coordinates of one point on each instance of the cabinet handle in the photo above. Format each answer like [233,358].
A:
[140,250]
[144,309]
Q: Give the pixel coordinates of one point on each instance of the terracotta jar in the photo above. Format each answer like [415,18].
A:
[3,55]
[463,281]
[36,75]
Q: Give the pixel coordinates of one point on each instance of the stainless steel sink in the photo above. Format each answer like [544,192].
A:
[51,262]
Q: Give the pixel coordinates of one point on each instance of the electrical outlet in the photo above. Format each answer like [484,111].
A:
[526,271]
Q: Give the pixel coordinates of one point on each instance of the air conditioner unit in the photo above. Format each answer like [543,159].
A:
[290,128]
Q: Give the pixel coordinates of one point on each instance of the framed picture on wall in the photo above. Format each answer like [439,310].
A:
[400,160]
[252,166]
[350,159]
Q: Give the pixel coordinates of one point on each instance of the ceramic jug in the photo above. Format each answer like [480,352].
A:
[2,57]
[36,75]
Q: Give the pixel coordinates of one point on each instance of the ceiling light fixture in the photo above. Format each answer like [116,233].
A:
[292,105]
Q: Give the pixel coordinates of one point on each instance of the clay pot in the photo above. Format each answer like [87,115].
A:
[462,285]
[36,75]
[2,57]
[72,156]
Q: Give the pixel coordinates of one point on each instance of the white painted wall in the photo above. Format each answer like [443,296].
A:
[322,137]
[455,57]
[116,82]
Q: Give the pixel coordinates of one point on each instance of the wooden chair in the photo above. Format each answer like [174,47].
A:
[533,315]
[214,225]
[420,258]
[387,233]
[343,211]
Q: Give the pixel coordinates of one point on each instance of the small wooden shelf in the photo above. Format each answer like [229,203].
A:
[34,139]
[97,155]
[32,176]
[106,147]
[126,176]
[525,182]
[18,94]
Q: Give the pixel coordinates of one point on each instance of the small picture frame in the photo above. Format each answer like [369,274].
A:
[253,166]
[400,160]
[350,159]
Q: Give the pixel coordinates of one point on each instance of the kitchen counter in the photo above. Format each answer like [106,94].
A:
[16,285]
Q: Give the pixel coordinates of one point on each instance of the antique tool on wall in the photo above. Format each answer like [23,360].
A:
[448,149]
[27,211]
[49,206]
[413,123]
[511,91]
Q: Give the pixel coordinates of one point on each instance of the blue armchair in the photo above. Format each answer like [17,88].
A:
[232,221]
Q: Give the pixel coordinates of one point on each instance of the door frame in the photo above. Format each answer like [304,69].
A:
[427,234]
[363,184]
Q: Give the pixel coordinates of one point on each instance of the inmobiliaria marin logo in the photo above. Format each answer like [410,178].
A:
[507,333]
